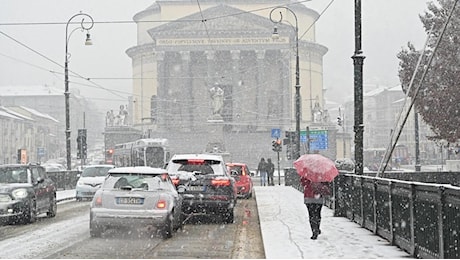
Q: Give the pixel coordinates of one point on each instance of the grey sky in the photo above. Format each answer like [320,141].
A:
[387,27]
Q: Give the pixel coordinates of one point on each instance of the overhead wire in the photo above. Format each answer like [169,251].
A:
[203,20]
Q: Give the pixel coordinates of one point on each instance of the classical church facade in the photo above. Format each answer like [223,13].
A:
[213,73]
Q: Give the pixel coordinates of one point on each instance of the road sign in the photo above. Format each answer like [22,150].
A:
[276,132]
[318,139]
[41,151]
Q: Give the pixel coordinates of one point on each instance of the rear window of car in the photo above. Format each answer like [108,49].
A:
[121,181]
[237,169]
[197,166]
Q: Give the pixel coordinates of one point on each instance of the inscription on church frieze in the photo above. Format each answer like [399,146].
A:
[221,41]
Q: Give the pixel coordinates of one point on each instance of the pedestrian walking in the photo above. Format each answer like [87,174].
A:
[270,171]
[314,193]
[262,170]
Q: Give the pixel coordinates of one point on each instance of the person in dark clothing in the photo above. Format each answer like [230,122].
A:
[262,170]
[270,171]
[314,193]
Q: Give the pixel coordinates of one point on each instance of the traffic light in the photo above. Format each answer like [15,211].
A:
[276,145]
[339,121]
[289,153]
[81,144]
[83,147]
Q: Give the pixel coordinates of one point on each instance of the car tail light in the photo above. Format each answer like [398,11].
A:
[98,201]
[221,182]
[195,161]
[161,204]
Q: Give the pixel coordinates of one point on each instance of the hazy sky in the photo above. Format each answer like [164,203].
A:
[387,27]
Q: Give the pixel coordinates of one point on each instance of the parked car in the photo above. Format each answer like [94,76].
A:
[25,192]
[207,186]
[136,197]
[243,180]
[90,180]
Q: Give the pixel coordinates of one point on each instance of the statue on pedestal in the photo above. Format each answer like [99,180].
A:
[217,98]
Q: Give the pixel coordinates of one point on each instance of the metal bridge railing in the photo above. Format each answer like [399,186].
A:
[64,179]
[421,218]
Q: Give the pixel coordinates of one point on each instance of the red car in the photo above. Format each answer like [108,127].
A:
[243,180]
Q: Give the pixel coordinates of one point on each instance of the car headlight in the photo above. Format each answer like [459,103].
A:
[20,193]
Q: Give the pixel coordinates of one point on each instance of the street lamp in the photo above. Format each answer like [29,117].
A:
[358,60]
[297,75]
[86,27]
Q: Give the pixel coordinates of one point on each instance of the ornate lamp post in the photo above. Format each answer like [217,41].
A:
[358,60]
[297,75]
[86,27]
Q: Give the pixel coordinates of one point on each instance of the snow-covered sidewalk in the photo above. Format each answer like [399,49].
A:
[286,232]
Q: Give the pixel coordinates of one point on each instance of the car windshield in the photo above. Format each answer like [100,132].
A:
[13,175]
[95,171]
[140,182]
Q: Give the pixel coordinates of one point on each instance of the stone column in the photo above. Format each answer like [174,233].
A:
[287,87]
[162,105]
[186,93]
[238,105]
[261,93]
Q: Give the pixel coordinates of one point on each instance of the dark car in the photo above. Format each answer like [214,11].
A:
[25,192]
[205,184]
[242,175]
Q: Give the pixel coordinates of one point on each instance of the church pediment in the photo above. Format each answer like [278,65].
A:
[216,21]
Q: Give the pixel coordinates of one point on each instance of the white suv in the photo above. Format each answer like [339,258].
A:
[90,180]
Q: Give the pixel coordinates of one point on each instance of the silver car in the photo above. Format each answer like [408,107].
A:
[139,197]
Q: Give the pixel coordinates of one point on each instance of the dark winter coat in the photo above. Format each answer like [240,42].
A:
[314,192]
[262,167]
[270,167]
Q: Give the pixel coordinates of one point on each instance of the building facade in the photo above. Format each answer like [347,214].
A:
[214,70]
[46,124]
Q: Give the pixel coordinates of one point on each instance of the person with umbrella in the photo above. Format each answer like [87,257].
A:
[314,193]
[316,172]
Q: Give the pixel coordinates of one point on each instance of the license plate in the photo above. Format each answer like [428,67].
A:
[197,188]
[131,201]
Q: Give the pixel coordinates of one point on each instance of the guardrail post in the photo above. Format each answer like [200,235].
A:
[361,200]
[413,227]
[390,211]
[338,195]
[374,191]
[441,220]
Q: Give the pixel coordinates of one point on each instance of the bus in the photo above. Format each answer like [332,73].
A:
[153,152]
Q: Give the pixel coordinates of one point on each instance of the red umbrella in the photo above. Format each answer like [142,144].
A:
[316,168]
